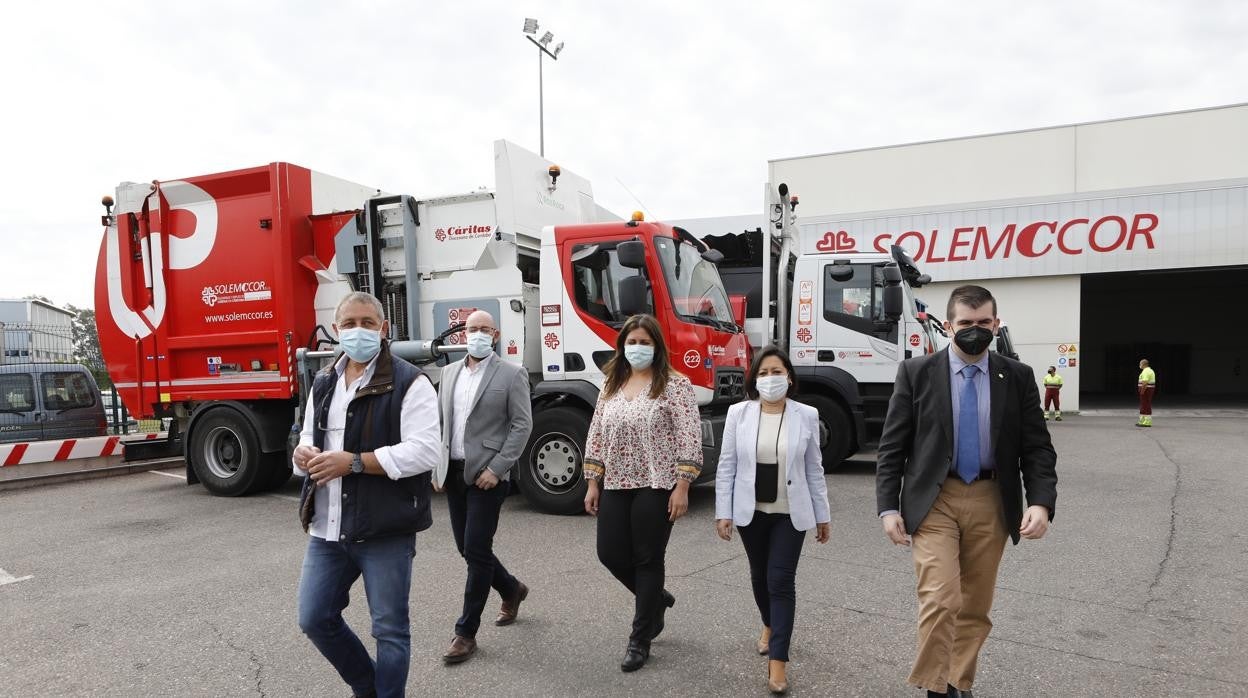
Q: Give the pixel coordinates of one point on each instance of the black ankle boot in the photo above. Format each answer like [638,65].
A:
[665,603]
[635,656]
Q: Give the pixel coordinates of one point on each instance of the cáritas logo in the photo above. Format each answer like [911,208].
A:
[463,232]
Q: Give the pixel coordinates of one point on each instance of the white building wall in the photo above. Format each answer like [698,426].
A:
[1042,314]
[1195,146]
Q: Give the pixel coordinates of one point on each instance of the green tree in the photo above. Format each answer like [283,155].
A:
[87,343]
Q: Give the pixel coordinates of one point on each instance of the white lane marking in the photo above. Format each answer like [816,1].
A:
[6,578]
[183,477]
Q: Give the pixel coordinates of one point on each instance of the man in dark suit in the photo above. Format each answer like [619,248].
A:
[963,441]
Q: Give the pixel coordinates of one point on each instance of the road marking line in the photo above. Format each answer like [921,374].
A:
[183,477]
[6,578]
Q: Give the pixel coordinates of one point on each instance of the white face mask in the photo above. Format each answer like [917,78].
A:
[772,388]
[480,344]
[639,356]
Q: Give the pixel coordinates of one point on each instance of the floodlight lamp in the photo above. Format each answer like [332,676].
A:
[546,38]
[558,49]
[530,25]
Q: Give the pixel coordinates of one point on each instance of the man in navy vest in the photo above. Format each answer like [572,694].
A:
[371,436]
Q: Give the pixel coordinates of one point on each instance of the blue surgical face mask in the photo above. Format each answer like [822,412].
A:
[480,344]
[360,344]
[639,356]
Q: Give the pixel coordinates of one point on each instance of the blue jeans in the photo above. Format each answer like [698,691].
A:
[330,569]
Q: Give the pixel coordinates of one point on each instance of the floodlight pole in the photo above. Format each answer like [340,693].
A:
[541,100]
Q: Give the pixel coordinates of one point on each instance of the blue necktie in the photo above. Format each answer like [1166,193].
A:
[968,426]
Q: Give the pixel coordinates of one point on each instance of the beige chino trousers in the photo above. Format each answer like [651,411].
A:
[957,551]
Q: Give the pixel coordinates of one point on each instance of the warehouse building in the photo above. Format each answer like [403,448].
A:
[1104,242]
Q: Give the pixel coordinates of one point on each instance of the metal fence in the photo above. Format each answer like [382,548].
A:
[23,342]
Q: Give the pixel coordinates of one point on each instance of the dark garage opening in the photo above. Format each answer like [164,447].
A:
[1188,323]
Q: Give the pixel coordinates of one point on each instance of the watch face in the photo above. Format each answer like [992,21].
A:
[357,465]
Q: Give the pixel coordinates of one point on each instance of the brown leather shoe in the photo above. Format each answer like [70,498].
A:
[507,613]
[462,648]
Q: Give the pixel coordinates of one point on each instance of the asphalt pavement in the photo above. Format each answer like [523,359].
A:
[142,586]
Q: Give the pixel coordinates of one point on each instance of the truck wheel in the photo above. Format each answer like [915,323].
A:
[225,453]
[278,470]
[836,431]
[550,469]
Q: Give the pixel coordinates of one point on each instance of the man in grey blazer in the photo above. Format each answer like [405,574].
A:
[486,420]
[964,446]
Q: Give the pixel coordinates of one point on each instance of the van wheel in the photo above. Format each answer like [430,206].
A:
[225,453]
[549,471]
[836,431]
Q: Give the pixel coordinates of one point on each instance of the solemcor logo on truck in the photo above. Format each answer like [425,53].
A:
[235,293]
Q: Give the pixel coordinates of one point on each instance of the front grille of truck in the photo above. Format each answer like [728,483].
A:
[729,384]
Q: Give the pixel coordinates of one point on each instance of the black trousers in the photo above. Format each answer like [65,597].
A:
[633,531]
[474,520]
[773,547]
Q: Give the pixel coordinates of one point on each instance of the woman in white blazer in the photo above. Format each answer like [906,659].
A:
[770,483]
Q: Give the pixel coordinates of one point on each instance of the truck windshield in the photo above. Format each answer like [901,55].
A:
[697,291]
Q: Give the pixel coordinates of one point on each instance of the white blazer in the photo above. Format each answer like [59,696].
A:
[734,477]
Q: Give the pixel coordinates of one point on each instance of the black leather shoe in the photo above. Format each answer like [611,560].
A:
[668,602]
[635,656]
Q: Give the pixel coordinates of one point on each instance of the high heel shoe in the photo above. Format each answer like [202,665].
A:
[764,641]
[777,687]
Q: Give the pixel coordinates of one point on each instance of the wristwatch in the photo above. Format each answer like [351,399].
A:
[357,464]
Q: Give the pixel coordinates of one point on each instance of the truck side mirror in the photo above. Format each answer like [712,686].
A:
[633,294]
[631,254]
[894,299]
[841,272]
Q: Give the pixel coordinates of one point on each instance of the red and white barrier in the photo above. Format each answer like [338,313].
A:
[67,449]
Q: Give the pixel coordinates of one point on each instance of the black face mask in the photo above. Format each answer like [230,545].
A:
[973,340]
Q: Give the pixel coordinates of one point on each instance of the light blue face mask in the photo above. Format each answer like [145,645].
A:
[360,344]
[480,344]
[639,356]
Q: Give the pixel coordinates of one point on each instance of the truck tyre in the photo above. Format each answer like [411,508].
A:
[278,470]
[836,431]
[549,471]
[225,453]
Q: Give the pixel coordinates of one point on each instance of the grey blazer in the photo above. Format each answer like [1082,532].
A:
[499,421]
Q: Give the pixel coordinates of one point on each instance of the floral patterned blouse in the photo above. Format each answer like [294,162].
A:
[645,442]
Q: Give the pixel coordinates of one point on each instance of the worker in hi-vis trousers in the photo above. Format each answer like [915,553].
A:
[1146,386]
[1052,394]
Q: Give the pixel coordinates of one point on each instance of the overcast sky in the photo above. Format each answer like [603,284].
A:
[684,103]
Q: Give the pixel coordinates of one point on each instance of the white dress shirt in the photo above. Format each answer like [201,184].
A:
[419,450]
[466,383]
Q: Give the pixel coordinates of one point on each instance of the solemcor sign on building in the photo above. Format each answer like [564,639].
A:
[1104,242]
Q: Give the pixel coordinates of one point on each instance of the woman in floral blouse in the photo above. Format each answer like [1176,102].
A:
[643,451]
